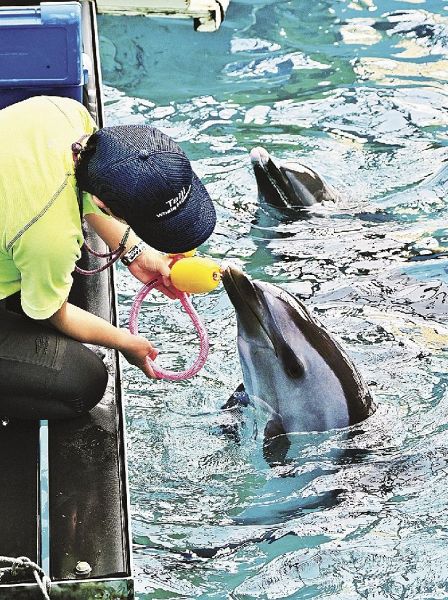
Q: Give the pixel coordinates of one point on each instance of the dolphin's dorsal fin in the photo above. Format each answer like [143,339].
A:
[237,399]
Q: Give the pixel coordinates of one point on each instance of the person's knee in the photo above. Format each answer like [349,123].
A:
[83,381]
[94,391]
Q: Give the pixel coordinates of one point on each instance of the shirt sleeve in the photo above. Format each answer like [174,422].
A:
[45,256]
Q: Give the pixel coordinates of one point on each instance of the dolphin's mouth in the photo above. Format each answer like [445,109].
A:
[270,180]
[245,299]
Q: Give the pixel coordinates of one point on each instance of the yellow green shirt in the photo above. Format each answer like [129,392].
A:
[40,226]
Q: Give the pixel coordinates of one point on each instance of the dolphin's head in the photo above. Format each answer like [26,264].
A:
[290,185]
[290,362]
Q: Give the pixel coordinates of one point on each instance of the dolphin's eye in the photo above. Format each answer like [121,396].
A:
[295,369]
[291,363]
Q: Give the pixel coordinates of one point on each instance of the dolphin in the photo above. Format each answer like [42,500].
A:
[290,185]
[291,364]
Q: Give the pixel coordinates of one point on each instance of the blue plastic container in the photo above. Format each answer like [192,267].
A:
[41,52]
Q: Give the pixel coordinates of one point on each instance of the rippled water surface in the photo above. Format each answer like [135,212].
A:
[357,90]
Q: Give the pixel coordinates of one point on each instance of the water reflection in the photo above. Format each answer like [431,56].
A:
[357,90]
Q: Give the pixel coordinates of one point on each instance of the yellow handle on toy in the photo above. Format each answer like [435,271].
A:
[195,274]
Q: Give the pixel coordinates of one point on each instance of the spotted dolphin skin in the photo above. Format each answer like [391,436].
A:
[291,363]
[289,185]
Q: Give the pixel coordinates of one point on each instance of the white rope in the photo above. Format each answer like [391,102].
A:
[22,564]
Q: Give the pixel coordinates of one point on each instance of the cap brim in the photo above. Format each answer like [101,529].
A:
[187,229]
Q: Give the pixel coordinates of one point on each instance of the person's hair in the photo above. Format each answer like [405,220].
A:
[83,159]
[83,180]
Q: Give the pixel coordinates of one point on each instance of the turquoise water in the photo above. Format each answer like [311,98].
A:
[357,90]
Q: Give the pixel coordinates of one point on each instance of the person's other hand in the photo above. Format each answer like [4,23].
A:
[136,349]
[152,264]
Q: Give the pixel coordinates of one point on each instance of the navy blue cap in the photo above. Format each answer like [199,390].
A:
[145,178]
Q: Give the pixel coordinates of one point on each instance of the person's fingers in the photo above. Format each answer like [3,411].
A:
[153,354]
[148,371]
[165,271]
[168,291]
[166,281]
[147,368]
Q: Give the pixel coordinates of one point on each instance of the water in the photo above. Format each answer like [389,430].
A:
[357,90]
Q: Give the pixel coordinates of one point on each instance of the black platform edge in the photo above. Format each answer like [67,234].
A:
[19,464]
[87,589]
[88,480]
[89,503]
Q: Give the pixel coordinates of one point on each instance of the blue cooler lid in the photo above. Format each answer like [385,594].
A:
[41,46]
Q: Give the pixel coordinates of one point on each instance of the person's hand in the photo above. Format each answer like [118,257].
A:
[150,265]
[136,349]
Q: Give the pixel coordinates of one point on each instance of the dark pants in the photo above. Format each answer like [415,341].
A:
[44,374]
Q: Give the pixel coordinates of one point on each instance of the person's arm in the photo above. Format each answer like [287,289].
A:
[145,267]
[111,230]
[90,329]
[45,255]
